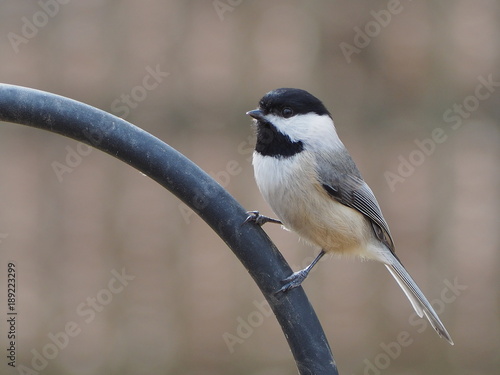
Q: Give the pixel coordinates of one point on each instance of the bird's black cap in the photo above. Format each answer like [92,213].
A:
[300,101]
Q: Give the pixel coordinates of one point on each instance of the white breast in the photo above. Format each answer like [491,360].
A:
[290,187]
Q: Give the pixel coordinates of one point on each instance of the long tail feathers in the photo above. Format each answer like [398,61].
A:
[419,302]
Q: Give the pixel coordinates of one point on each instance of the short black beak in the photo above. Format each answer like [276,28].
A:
[256,114]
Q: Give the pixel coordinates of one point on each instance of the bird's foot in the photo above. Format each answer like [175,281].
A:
[293,281]
[296,278]
[257,218]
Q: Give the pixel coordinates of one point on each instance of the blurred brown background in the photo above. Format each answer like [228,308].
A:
[414,88]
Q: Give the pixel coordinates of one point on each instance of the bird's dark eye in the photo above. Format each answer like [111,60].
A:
[287,112]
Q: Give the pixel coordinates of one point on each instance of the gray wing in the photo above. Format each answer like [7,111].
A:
[344,183]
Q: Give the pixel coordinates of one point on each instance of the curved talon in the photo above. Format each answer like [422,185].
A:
[252,217]
[257,218]
[293,281]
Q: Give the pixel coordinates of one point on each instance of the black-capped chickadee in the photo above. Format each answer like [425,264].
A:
[306,175]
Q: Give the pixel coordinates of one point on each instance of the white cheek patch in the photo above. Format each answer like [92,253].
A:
[315,130]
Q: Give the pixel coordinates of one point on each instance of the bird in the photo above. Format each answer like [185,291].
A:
[308,178]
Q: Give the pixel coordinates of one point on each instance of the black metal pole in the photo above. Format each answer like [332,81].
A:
[198,190]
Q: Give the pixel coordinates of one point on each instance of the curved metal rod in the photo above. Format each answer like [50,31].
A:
[198,190]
